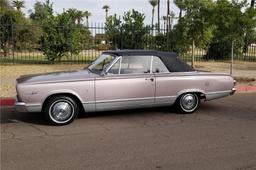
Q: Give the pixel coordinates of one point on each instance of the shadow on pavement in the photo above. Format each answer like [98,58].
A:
[9,115]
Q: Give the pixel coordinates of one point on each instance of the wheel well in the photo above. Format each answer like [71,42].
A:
[200,95]
[74,97]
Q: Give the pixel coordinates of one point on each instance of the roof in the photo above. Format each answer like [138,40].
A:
[170,59]
[142,52]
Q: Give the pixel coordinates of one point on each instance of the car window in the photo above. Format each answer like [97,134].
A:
[101,63]
[158,66]
[135,64]
[115,68]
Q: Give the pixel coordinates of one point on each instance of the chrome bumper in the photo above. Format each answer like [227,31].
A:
[233,91]
[23,107]
[20,107]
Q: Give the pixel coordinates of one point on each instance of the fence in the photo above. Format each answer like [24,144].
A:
[21,45]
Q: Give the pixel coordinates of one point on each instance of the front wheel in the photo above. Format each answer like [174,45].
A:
[188,102]
[61,110]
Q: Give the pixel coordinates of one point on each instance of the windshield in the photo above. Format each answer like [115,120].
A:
[101,63]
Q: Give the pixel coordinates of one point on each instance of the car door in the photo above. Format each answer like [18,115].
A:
[129,83]
[165,85]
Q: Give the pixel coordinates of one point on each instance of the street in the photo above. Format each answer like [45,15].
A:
[220,135]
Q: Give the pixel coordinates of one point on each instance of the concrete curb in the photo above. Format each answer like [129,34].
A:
[9,101]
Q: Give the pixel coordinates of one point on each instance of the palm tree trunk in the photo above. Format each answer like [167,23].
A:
[106,15]
[252,3]
[158,16]
[152,22]
[180,14]
[168,15]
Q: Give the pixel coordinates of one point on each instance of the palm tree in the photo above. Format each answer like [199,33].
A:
[180,4]
[165,20]
[18,4]
[76,15]
[87,14]
[154,4]
[106,8]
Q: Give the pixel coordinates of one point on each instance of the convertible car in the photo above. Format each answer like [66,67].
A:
[121,79]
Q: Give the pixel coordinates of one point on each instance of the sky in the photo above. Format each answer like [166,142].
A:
[98,14]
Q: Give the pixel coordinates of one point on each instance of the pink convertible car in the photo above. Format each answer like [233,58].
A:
[122,79]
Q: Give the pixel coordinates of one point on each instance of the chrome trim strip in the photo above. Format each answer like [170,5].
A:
[226,91]
[130,99]
[151,65]
[122,100]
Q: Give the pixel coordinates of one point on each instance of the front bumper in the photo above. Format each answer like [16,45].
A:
[233,91]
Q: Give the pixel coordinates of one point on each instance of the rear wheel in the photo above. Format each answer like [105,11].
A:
[188,102]
[61,110]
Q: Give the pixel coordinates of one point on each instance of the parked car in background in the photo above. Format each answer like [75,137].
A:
[121,79]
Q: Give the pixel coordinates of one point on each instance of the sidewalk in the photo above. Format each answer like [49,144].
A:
[9,101]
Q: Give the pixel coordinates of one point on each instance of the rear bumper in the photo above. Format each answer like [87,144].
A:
[20,107]
[23,107]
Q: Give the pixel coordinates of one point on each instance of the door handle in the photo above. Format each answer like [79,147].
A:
[151,79]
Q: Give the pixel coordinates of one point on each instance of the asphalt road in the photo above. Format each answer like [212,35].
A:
[220,135]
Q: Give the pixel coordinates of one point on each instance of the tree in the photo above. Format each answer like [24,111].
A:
[232,20]
[195,26]
[18,4]
[87,15]
[134,30]
[250,31]
[42,11]
[9,19]
[113,31]
[130,33]
[76,15]
[180,4]
[62,37]
[106,8]
[4,5]
[153,3]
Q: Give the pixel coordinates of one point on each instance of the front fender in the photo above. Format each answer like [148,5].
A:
[60,91]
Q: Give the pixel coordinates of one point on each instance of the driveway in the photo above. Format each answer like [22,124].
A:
[220,135]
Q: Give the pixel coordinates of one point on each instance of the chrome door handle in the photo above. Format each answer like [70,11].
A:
[151,79]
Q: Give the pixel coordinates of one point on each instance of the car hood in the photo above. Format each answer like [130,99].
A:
[75,75]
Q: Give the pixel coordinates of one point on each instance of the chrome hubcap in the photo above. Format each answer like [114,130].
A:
[61,111]
[189,101]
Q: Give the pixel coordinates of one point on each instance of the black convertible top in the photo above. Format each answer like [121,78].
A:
[170,59]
